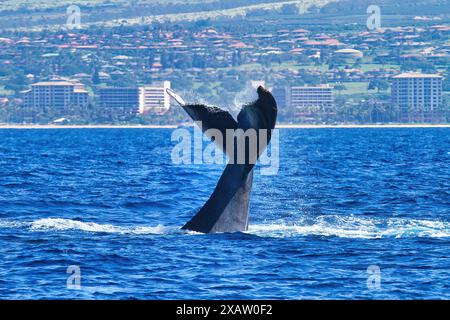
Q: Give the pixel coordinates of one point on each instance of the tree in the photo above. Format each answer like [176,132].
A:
[165,60]
[204,90]
[314,9]
[289,9]
[96,77]
[237,58]
[379,84]
[340,87]
[17,82]
[151,59]
[198,61]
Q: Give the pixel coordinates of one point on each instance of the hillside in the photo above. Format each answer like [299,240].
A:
[39,14]
[390,7]
[46,13]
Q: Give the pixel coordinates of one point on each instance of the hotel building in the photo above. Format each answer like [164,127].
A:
[120,101]
[154,99]
[417,96]
[309,100]
[281,95]
[56,97]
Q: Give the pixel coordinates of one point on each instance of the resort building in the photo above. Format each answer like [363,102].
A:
[281,95]
[348,54]
[56,97]
[417,96]
[154,99]
[311,100]
[120,101]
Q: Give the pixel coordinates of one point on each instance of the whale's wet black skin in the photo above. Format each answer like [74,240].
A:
[228,207]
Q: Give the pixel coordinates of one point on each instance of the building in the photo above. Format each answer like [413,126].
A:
[417,96]
[56,97]
[312,101]
[281,95]
[348,54]
[3,101]
[154,99]
[119,101]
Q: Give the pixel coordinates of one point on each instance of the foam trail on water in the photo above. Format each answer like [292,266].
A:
[67,224]
[59,224]
[354,227]
[6,223]
[327,226]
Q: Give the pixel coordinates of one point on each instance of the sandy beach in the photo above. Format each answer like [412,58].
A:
[279,126]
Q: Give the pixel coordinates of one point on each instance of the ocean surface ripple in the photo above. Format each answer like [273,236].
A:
[112,202]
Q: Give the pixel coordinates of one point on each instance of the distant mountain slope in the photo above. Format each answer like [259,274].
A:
[38,14]
[395,7]
[158,6]
[35,13]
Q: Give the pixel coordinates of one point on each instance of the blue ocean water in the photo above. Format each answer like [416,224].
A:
[111,202]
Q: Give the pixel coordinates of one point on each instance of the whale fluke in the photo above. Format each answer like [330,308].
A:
[227,208]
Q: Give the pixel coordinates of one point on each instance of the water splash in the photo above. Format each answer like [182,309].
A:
[246,96]
[66,224]
[192,97]
[354,227]
[327,226]
[59,224]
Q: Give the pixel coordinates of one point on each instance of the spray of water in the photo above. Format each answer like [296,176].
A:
[246,96]
[326,226]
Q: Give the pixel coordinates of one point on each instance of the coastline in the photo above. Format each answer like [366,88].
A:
[91,126]
[356,126]
[279,126]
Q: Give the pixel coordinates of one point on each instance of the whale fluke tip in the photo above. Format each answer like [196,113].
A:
[176,97]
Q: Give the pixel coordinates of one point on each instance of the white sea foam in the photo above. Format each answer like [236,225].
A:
[354,227]
[7,223]
[59,224]
[327,226]
[67,224]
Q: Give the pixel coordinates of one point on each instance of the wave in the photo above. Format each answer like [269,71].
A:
[355,227]
[59,224]
[66,224]
[327,226]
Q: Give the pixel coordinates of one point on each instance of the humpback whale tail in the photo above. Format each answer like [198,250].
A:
[227,208]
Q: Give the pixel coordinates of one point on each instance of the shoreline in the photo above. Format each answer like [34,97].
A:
[356,126]
[280,126]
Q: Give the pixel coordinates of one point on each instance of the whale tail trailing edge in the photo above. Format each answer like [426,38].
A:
[227,208]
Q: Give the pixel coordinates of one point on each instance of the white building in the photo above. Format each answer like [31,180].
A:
[154,99]
[348,53]
[312,99]
[56,96]
[416,93]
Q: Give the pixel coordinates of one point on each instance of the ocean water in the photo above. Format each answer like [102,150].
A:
[111,202]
